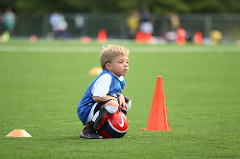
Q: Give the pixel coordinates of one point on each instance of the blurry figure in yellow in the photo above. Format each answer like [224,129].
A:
[175,21]
[133,24]
[216,36]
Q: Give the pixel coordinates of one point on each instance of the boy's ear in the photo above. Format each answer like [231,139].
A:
[108,66]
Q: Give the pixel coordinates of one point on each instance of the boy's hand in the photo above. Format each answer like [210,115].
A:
[121,101]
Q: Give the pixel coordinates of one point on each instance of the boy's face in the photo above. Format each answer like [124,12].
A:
[118,66]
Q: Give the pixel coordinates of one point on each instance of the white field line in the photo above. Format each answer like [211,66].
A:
[133,49]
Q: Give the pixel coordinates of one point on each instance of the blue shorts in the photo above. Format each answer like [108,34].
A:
[86,112]
[83,112]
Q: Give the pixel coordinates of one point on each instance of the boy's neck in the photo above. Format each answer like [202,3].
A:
[120,78]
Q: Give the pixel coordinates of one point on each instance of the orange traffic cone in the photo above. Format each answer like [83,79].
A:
[33,38]
[181,36]
[19,133]
[102,36]
[198,38]
[85,40]
[140,37]
[148,38]
[158,118]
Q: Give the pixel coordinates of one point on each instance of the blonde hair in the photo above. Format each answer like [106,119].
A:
[111,51]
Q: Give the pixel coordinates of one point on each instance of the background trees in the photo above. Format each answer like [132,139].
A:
[122,6]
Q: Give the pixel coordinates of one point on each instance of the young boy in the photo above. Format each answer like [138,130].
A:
[104,95]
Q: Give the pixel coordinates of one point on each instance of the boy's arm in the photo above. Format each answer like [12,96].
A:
[101,88]
[103,99]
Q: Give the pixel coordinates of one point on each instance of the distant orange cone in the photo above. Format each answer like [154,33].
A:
[198,38]
[19,133]
[158,118]
[148,38]
[102,36]
[140,37]
[85,40]
[95,71]
[181,36]
[33,38]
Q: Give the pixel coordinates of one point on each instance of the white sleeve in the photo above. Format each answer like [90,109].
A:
[102,85]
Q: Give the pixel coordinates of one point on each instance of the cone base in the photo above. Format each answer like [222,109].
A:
[19,133]
[145,129]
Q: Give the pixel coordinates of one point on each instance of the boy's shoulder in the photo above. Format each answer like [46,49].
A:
[103,77]
[105,73]
[108,75]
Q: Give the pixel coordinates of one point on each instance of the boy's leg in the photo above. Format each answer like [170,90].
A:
[106,111]
[104,114]
[103,111]
[89,133]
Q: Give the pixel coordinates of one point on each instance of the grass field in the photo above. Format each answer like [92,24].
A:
[41,85]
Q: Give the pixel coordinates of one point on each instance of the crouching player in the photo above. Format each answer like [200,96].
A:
[104,95]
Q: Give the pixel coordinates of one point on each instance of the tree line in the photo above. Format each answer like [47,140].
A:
[121,6]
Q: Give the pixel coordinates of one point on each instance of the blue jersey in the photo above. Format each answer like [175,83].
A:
[87,102]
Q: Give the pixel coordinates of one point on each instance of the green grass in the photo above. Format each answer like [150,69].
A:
[41,85]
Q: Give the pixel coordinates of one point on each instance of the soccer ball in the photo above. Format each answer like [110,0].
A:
[116,126]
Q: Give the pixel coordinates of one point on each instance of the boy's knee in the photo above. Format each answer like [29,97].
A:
[112,103]
[111,109]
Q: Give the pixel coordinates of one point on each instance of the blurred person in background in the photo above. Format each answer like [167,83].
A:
[132,22]
[175,21]
[59,25]
[216,36]
[8,19]
[146,21]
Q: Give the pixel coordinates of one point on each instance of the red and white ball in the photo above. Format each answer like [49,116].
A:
[116,126]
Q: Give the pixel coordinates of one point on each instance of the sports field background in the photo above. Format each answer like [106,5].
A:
[42,83]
